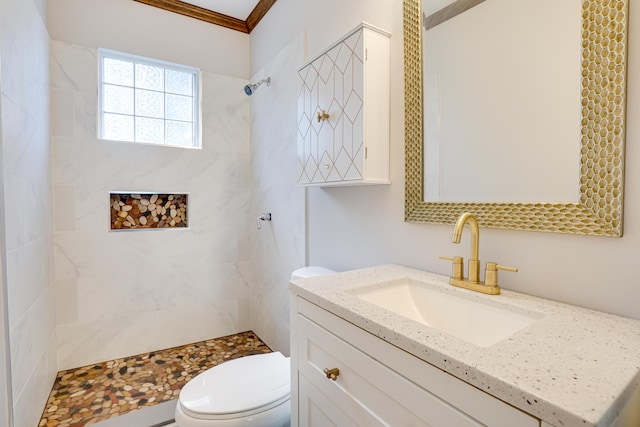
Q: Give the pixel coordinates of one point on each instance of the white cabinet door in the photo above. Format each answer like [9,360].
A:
[336,105]
[316,410]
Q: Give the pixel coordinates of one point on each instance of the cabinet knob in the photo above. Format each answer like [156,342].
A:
[332,374]
[322,116]
[327,165]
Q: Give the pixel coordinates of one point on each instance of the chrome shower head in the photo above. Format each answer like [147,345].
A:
[250,88]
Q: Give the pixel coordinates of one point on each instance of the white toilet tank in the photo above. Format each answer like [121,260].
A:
[311,271]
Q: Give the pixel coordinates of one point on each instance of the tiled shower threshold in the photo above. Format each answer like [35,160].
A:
[103,391]
[160,415]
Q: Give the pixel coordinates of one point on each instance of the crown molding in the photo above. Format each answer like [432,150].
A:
[212,17]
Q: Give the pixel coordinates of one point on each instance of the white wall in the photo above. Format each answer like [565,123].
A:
[124,293]
[6,405]
[355,227]
[281,43]
[27,241]
[129,26]
[279,247]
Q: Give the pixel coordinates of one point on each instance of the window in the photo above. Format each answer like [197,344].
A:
[148,101]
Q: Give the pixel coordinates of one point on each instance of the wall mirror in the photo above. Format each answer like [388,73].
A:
[570,97]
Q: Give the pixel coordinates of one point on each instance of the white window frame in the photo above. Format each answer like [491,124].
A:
[136,59]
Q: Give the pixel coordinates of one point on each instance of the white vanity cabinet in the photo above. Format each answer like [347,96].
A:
[343,112]
[378,384]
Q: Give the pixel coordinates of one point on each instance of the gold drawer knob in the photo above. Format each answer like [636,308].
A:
[332,374]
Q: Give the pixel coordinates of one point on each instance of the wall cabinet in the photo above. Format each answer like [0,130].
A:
[378,384]
[343,112]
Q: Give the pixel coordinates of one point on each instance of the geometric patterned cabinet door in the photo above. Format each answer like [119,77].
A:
[343,112]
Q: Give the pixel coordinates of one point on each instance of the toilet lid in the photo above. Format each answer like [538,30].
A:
[238,388]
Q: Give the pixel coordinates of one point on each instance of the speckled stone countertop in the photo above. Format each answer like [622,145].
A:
[572,367]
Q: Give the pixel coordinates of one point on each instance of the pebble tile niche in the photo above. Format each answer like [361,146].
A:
[141,211]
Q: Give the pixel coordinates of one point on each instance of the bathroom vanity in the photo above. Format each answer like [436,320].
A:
[388,346]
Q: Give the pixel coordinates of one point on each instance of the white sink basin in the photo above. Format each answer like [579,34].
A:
[478,321]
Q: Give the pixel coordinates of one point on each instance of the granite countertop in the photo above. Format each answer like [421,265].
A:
[572,367]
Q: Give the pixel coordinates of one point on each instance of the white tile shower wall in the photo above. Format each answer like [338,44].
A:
[28,238]
[120,294]
[279,247]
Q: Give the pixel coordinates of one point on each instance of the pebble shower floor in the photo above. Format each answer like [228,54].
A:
[97,392]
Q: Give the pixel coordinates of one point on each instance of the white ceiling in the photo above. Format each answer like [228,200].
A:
[237,8]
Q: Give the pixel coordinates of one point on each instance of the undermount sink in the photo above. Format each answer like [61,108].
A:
[478,321]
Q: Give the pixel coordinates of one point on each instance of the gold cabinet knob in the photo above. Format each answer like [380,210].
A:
[327,165]
[332,374]
[322,116]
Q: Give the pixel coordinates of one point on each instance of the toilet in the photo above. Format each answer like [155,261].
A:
[252,391]
[249,391]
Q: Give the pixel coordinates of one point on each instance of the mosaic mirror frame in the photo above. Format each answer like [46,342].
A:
[599,209]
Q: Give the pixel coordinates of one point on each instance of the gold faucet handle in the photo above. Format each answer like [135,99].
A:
[491,273]
[457,270]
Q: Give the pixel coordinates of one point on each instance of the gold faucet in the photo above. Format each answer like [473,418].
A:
[491,274]
[474,262]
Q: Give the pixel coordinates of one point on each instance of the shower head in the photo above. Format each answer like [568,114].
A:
[250,88]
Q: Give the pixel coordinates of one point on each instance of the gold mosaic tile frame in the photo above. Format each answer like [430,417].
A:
[602,136]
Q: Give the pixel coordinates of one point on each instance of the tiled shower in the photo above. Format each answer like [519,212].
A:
[120,294]
[80,294]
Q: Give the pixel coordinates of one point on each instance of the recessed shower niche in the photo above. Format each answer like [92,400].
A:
[135,211]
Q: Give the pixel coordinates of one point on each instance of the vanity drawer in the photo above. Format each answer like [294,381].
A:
[366,390]
[370,393]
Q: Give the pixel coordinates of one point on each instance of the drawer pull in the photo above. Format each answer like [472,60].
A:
[332,374]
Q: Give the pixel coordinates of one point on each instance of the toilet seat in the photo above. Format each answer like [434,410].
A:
[238,388]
